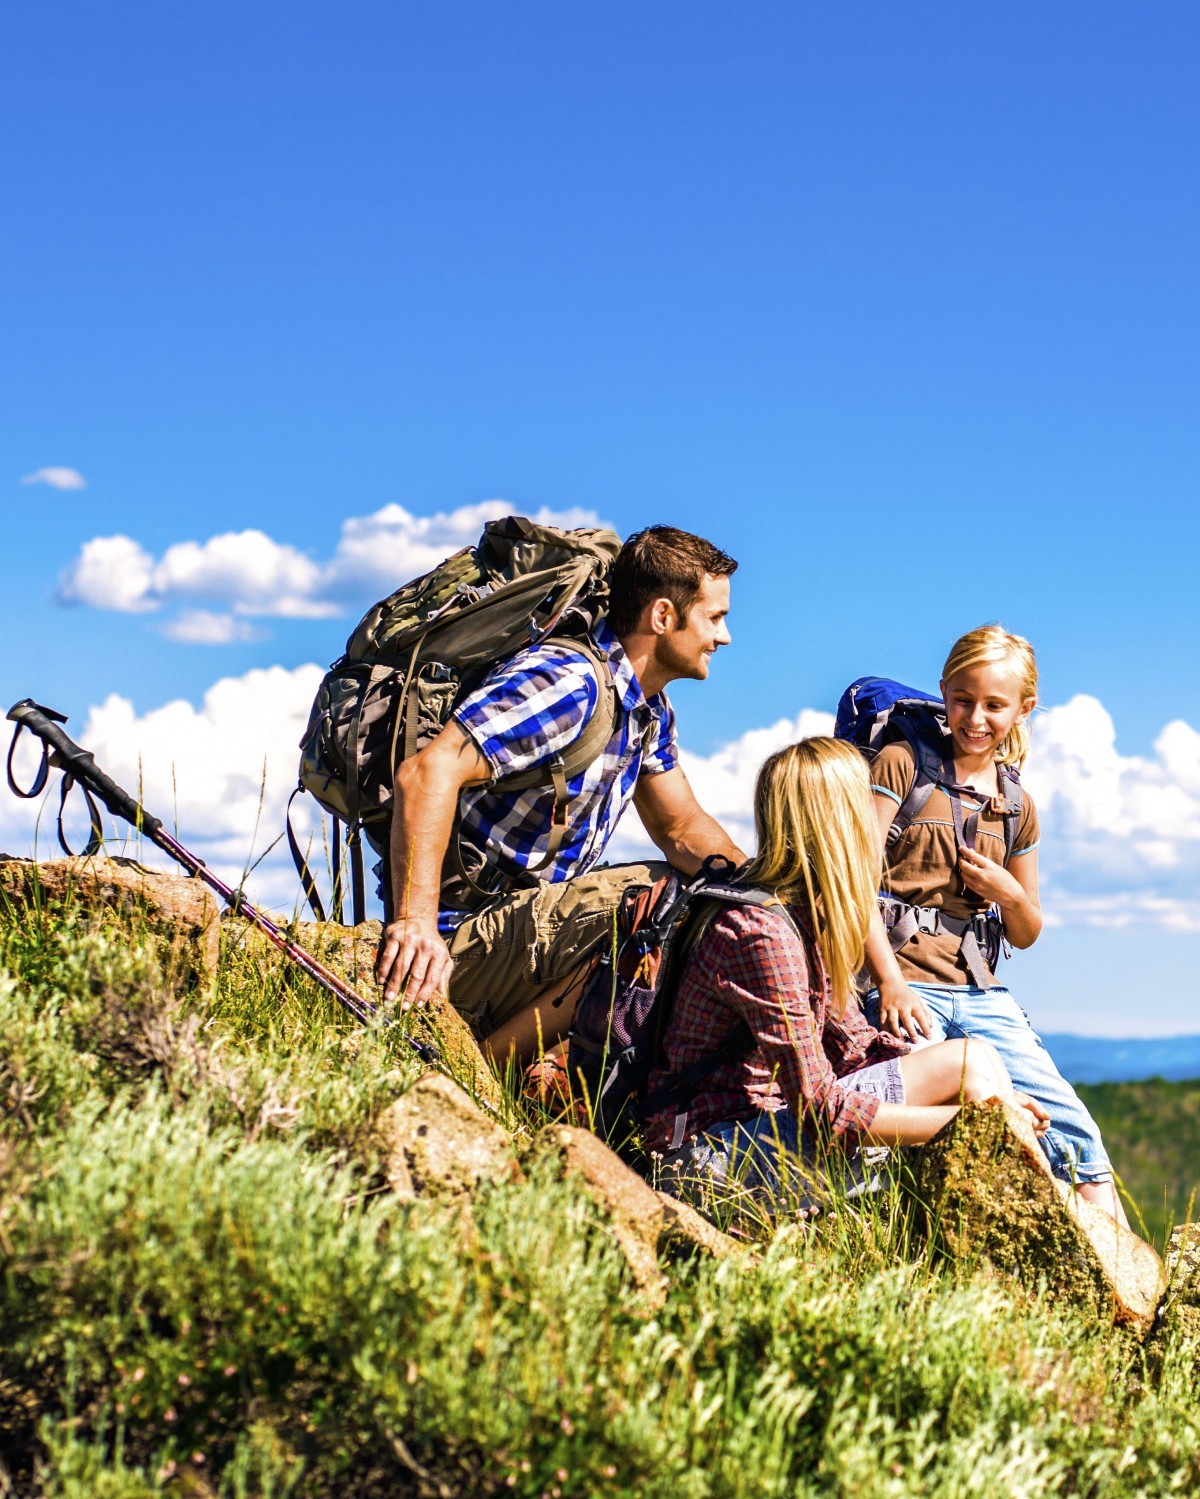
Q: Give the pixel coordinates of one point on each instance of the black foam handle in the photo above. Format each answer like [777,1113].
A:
[77,762]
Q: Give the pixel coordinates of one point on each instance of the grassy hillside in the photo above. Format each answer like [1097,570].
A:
[208,1289]
[1152,1130]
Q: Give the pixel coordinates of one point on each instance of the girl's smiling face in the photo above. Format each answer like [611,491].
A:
[982,704]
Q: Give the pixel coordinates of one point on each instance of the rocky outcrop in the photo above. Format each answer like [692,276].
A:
[644,1223]
[986,1192]
[350,951]
[179,914]
[437,1143]
[1181,1304]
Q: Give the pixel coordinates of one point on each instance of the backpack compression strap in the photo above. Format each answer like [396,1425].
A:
[979,936]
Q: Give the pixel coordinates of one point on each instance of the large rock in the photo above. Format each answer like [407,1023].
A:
[350,952]
[179,914]
[988,1193]
[643,1222]
[438,1143]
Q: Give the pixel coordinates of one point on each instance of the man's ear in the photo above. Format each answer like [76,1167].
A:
[662,616]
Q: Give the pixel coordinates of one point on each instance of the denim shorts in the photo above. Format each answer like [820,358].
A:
[771,1158]
[1072,1143]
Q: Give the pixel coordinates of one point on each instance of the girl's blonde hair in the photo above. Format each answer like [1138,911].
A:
[816,836]
[990,645]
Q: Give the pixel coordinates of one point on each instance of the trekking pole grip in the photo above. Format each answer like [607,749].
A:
[76,762]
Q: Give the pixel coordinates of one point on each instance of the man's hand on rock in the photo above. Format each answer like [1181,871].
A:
[414,963]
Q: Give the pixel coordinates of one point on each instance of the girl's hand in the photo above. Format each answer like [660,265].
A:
[904,1012]
[987,878]
[1041,1120]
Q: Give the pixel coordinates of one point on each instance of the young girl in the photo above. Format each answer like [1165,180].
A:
[808,1071]
[947,870]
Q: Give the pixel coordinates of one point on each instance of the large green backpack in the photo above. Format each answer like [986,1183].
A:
[415,654]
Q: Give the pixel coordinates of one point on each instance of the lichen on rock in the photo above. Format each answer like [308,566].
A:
[986,1192]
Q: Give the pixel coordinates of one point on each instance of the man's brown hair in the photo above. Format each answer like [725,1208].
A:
[661,562]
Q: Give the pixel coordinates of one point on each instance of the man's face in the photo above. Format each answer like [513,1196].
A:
[687,648]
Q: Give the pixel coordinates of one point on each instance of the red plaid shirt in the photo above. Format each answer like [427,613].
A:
[751,965]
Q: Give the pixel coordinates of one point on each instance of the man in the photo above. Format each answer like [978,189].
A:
[508,960]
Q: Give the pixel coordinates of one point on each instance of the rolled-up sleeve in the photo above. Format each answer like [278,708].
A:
[662,753]
[764,976]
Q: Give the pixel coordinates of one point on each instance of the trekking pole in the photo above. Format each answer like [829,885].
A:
[60,752]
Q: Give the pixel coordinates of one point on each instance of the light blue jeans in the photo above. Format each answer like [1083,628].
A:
[1072,1143]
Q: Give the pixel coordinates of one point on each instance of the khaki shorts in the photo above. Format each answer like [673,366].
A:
[508,952]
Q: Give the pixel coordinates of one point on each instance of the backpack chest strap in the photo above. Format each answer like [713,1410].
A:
[1006,804]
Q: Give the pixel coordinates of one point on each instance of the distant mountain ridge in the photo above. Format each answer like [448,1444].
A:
[1104,1059]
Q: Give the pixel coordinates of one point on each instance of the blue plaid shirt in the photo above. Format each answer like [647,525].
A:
[529,709]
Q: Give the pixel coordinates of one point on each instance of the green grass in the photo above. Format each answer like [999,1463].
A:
[1152,1131]
[207,1288]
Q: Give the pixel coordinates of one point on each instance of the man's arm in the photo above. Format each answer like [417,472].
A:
[413,958]
[678,824]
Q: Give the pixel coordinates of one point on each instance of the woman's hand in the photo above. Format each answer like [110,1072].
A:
[989,879]
[903,1012]
[1041,1120]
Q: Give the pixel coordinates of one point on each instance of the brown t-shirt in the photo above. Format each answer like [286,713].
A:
[922,868]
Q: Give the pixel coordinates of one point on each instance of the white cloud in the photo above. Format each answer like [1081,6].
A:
[249,573]
[1120,910]
[205,627]
[57,478]
[1120,833]
[245,569]
[724,781]
[203,771]
[111,572]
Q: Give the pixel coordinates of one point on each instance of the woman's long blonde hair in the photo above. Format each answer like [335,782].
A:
[816,839]
[992,645]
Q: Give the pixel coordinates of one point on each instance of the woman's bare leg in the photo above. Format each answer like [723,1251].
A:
[961,1071]
[954,1072]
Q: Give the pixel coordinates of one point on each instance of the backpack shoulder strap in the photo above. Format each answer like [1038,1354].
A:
[605,716]
[929,764]
[1014,797]
[740,1042]
[601,725]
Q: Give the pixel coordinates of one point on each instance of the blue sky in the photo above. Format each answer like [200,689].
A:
[898,304]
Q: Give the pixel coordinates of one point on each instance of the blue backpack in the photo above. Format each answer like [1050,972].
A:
[874,711]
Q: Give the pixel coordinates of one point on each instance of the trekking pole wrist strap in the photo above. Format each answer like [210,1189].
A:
[61,752]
